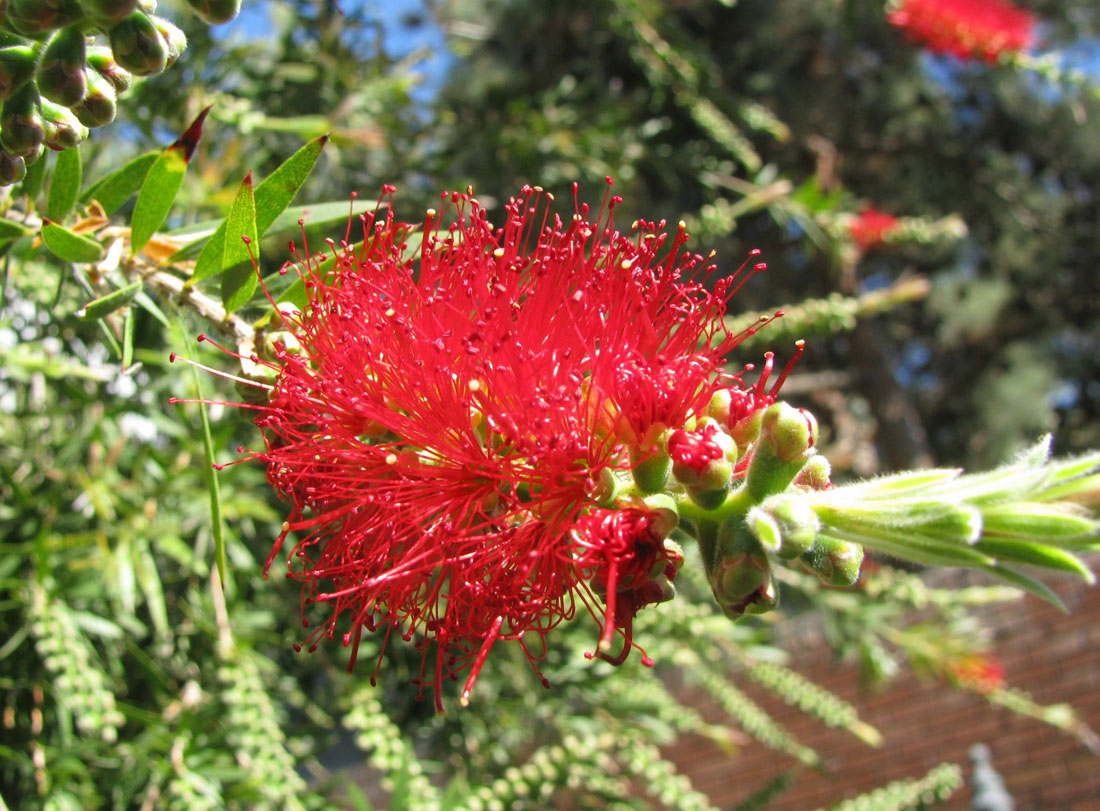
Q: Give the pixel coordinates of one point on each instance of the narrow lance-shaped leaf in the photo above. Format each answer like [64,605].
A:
[272,196]
[71,247]
[162,183]
[240,282]
[65,185]
[105,305]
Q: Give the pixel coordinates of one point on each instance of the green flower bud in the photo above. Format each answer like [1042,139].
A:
[99,105]
[815,474]
[102,61]
[651,460]
[835,562]
[216,11]
[740,575]
[786,441]
[21,128]
[106,13]
[667,516]
[175,41]
[12,169]
[16,68]
[784,524]
[63,128]
[31,17]
[138,46]
[60,74]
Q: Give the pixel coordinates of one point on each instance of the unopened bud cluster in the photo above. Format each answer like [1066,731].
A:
[737,480]
[57,82]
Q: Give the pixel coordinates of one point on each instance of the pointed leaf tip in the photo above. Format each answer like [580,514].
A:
[189,140]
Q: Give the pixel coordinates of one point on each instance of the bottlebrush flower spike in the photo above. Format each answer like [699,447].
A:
[969,29]
[452,429]
[871,228]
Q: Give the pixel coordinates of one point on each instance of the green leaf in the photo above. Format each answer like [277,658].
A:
[1036,554]
[115,189]
[209,472]
[32,182]
[276,190]
[105,305]
[1050,523]
[272,196]
[239,283]
[162,183]
[10,229]
[1027,583]
[71,247]
[128,340]
[65,185]
[155,199]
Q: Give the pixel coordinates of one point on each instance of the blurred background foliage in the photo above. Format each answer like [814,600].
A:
[131,678]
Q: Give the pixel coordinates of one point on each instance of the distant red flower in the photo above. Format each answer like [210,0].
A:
[871,228]
[969,29]
[444,422]
[983,674]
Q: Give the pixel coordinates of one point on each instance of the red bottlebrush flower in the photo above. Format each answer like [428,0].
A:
[969,29]
[871,228]
[444,423]
[983,674]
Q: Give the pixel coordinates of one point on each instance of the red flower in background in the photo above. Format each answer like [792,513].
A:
[871,228]
[969,29]
[444,422]
[983,674]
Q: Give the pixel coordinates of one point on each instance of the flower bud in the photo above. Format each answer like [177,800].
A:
[786,441]
[106,13]
[216,11]
[175,41]
[63,129]
[815,475]
[31,17]
[12,169]
[99,106]
[835,562]
[740,575]
[651,462]
[138,46]
[719,406]
[785,525]
[666,516]
[702,460]
[21,127]
[17,63]
[102,61]
[745,430]
[60,75]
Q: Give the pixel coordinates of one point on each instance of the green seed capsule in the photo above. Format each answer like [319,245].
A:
[16,68]
[102,61]
[216,11]
[174,39]
[99,106]
[138,46]
[63,128]
[21,128]
[106,13]
[31,17]
[12,169]
[60,74]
